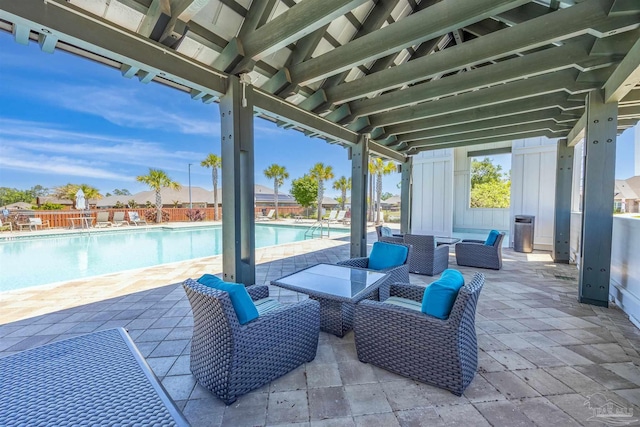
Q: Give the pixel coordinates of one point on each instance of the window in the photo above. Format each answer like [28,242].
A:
[490,180]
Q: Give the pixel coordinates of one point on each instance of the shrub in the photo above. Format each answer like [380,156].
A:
[150,215]
[48,206]
[196,215]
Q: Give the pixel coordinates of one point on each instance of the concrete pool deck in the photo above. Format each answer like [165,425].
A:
[544,359]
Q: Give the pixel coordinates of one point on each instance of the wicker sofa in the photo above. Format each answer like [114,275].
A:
[230,359]
[408,342]
[474,253]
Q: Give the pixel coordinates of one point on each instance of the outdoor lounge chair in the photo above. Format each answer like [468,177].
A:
[339,217]
[134,217]
[332,216]
[34,223]
[404,340]
[476,253]
[118,219]
[230,359]
[395,274]
[267,217]
[6,225]
[102,220]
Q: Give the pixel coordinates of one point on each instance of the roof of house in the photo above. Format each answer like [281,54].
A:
[623,191]
[634,184]
[198,195]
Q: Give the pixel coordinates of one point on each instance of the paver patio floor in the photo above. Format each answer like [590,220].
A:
[544,359]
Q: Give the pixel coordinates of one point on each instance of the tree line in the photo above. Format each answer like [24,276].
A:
[307,190]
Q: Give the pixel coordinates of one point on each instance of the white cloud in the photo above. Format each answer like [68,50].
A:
[63,152]
[129,107]
[39,164]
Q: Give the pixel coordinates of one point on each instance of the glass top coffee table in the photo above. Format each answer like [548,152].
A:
[338,288]
[442,240]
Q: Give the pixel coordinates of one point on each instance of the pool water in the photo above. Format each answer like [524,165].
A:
[38,261]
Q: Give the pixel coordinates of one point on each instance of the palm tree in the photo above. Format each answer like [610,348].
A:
[214,162]
[343,184]
[68,192]
[278,174]
[156,180]
[321,173]
[378,167]
[370,199]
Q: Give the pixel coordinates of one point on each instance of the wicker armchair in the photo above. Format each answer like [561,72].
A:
[230,359]
[395,274]
[474,253]
[427,258]
[408,342]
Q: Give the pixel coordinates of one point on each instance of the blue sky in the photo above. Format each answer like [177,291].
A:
[65,119]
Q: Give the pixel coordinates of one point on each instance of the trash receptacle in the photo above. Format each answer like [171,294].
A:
[523,233]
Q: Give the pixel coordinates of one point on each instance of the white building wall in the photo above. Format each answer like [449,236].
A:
[625,269]
[533,183]
[441,191]
[464,217]
[432,201]
[576,203]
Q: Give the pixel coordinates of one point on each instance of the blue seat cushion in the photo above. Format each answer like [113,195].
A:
[387,255]
[439,297]
[386,231]
[242,303]
[491,239]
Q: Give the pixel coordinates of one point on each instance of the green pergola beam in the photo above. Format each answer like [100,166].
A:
[625,77]
[497,138]
[72,25]
[557,102]
[535,86]
[278,108]
[497,123]
[293,24]
[587,17]
[548,125]
[375,20]
[386,152]
[549,60]
[439,19]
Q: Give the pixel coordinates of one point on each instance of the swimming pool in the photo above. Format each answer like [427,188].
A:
[43,260]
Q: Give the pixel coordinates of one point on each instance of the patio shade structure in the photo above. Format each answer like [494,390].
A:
[388,78]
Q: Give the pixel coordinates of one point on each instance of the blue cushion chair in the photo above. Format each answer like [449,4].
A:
[427,258]
[481,253]
[402,339]
[231,359]
[390,258]
[386,235]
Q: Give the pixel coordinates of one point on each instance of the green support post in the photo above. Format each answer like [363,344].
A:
[238,225]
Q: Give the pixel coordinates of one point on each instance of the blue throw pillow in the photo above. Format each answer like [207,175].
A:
[386,231]
[240,299]
[386,255]
[491,240]
[439,297]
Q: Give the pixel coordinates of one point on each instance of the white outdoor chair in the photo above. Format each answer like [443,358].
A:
[134,217]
